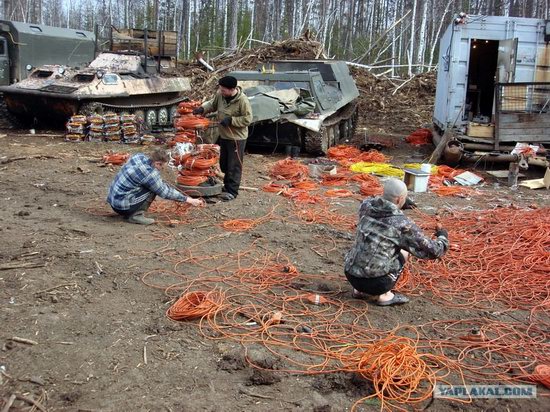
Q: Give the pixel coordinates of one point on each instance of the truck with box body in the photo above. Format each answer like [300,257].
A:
[25,46]
[493,82]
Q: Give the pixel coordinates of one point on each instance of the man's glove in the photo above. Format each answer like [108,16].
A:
[226,122]
[442,232]
[409,204]
[198,110]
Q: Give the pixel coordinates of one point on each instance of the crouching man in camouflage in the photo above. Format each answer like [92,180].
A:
[385,237]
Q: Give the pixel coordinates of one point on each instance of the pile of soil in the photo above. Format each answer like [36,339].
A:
[386,106]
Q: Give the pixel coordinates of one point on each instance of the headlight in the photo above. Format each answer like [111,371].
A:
[28,67]
[99,74]
[61,70]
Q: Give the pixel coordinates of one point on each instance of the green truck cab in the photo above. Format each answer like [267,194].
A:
[25,46]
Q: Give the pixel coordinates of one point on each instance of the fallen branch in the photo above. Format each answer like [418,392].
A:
[8,266]
[10,402]
[23,340]
[402,84]
[36,404]
[15,159]
[55,287]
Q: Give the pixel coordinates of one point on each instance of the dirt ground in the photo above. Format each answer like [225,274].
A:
[103,341]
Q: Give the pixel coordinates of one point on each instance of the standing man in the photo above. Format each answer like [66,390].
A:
[385,237]
[136,185]
[234,116]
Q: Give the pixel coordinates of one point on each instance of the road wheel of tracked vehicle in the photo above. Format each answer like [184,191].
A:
[344,129]
[150,119]
[163,116]
[173,113]
[91,108]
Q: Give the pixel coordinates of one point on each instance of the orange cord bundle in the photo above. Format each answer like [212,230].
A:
[460,191]
[289,169]
[301,196]
[338,193]
[188,107]
[274,187]
[186,136]
[399,373]
[305,185]
[542,375]
[195,305]
[116,159]
[191,122]
[343,152]
[369,189]
[339,179]
[420,137]
[197,166]
[373,156]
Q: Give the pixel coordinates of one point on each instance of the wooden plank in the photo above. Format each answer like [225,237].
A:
[524,126]
[507,118]
[504,131]
[524,138]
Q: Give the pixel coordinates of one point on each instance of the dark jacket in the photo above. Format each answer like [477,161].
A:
[238,109]
[383,231]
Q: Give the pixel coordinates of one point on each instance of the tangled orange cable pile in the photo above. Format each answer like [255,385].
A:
[497,257]
[399,374]
[195,305]
[347,155]
[289,169]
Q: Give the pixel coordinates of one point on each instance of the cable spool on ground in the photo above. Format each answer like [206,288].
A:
[202,191]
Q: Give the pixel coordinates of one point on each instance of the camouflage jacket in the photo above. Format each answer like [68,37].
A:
[382,232]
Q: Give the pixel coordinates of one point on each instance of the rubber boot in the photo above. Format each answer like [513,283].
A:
[139,219]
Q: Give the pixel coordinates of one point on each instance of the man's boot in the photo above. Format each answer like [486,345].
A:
[140,219]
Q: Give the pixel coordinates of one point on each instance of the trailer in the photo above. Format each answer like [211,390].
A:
[25,46]
[493,82]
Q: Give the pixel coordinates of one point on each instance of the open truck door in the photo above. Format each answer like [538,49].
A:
[4,63]
[506,61]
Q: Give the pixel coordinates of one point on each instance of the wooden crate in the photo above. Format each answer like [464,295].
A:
[481,130]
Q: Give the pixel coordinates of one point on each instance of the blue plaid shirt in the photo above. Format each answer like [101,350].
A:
[135,181]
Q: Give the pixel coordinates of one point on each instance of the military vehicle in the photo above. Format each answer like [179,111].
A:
[309,104]
[119,82]
[24,46]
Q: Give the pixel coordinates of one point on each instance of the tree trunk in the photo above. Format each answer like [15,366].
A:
[232,10]
[422,38]
[410,53]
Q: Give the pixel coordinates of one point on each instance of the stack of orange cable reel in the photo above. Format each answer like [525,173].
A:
[187,124]
[197,166]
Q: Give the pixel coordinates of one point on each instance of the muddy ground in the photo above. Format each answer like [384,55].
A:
[75,289]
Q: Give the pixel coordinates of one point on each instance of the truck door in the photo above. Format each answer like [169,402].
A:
[4,63]
[506,61]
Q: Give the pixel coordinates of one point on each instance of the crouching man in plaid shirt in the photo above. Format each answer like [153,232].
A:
[137,184]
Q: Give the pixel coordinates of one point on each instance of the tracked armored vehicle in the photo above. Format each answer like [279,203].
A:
[310,104]
[118,82]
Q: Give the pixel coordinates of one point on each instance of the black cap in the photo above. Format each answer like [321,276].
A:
[228,81]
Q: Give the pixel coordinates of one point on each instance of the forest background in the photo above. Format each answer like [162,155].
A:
[395,36]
